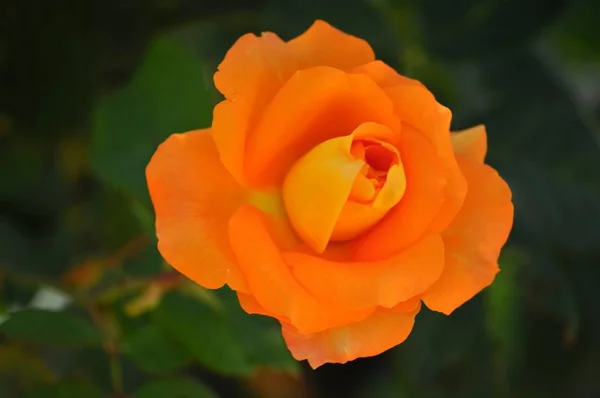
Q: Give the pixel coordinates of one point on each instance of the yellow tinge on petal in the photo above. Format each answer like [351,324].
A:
[269,202]
[343,187]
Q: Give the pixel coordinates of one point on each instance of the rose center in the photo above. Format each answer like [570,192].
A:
[342,188]
[378,158]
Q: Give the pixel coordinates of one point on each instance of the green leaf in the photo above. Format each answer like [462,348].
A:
[153,351]
[146,263]
[51,328]
[203,331]
[221,336]
[447,356]
[66,389]
[259,335]
[23,366]
[112,216]
[168,94]
[145,217]
[177,387]
[504,317]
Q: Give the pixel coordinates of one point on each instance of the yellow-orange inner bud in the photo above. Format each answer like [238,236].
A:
[360,213]
[342,188]
[378,157]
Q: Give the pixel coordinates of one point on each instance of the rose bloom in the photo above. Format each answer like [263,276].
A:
[330,194]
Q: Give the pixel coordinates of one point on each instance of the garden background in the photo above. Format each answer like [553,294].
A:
[88,89]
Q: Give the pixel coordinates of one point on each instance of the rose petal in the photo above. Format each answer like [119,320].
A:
[255,68]
[357,218]
[317,187]
[252,71]
[251,305]
[366,284]
[194,197]
[408,221]
[271,281]
[378,131]
[471,143]
[418,108]
[381,331]
[315,105]
[474,239]
[324,45]
[383,75]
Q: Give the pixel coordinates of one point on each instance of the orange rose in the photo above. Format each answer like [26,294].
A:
[331,195]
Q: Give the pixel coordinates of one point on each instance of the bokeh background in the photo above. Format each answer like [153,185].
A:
[88,89]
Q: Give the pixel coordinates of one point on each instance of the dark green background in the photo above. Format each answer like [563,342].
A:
[89,88]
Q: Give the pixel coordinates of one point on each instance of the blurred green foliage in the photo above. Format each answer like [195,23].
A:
[89,89]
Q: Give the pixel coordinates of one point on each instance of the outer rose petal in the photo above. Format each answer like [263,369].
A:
[271,281]
[474,239]
[408,220]
[194,197]
[471,143]
[324,45]
[381,331]
[307,111]
[382,283]
[255,68]
[383,75]
[252,71]
[418,108]
[251,305]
